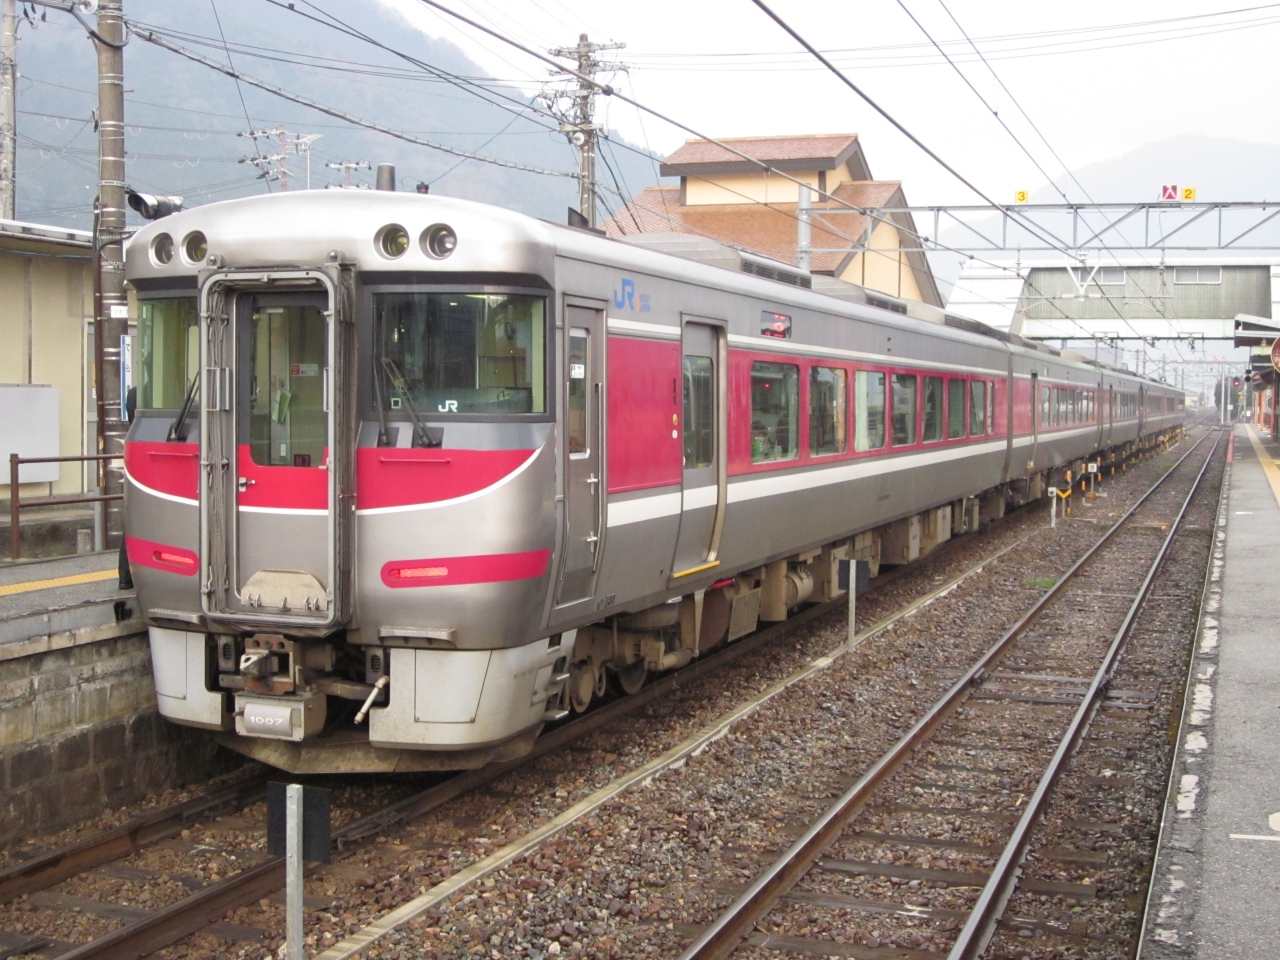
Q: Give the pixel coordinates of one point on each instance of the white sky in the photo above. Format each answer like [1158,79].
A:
[1094,93]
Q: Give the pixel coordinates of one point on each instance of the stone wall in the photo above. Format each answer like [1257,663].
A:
[79,730]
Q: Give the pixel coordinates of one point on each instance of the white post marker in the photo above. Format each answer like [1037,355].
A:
[1053,507]
[293,872]
[853,604]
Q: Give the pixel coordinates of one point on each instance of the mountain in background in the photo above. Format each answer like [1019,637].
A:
[1220,169]
[183,118]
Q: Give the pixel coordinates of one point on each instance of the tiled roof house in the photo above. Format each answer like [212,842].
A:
[727,198]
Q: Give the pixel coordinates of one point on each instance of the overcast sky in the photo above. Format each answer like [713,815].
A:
[1098,79]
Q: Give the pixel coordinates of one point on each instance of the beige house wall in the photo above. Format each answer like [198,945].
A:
[45,303]
[746,188]
[889,273]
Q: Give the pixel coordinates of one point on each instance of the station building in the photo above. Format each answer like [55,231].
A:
[723,197]
[47,405]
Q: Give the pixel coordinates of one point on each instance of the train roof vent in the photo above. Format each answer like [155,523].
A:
[975,326]
[770,271]
[886,304]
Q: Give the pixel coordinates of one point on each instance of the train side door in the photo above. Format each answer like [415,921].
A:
[275,449]
[1037,411]
[1142,406]
[1110,414]
[582,399]
[704,477]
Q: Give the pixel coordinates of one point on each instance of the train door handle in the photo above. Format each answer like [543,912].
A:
[592,480]
[244,483]
[591,539]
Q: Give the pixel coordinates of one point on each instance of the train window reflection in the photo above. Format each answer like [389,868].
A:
[167,352]
[905,388]
[868,406]
[977,407]
[288,425]
[932,408]
[462,352]
[579,381]
[955,409]
[699,412]
[775,411]
[826,411]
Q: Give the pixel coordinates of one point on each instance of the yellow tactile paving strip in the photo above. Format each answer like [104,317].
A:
[8,590]
[1268,462]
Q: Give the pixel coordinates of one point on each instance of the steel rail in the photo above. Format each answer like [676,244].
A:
[986,912]
[48,869]
[208,906]
[1176,756]
[724,935]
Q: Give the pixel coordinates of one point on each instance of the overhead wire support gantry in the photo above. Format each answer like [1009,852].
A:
[1115,227]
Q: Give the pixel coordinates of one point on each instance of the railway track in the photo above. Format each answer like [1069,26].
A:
[959,795]
[210,904]
[144,931]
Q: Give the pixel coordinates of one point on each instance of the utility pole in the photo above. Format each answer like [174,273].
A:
[804,229]
[346,166]
[9,111]
[577,121]
[112,315]
[276,166]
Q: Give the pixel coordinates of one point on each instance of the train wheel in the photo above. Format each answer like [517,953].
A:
[632,677]
[581,685]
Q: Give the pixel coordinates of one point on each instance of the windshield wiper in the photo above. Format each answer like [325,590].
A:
[422,436]
[178,429]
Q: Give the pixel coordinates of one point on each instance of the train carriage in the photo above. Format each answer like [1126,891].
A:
[412,476]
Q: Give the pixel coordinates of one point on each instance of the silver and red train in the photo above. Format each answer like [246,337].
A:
[411,476]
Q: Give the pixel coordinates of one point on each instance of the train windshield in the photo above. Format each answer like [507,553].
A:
[463,353]
[167,351]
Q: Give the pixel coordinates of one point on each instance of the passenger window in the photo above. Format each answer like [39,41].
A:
[1045,400]
[905,388]
[977,406]
[932,409]
[576,415]
[868,408]
[955,409]
[827,424]
[699,412]
[775,408]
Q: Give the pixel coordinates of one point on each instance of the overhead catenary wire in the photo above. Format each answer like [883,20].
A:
[1119,312]
[257,150]
[755,61]
[155,39]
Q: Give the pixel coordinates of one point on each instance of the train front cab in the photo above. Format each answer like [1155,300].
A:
[249,536]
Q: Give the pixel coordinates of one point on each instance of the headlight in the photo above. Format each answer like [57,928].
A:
[196,247]
[439,241]
[393,241]
[162,249]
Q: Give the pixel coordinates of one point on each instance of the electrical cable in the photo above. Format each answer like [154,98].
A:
[155,39]
[239,91]
[613,176]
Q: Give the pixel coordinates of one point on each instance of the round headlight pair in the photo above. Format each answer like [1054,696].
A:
[195,247]
[437,241]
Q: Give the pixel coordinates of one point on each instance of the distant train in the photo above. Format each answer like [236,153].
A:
[412,476]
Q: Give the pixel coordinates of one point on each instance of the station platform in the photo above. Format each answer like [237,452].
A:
[66,595]
[1215,891]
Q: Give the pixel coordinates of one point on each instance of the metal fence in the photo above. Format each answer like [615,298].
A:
[16,503]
